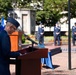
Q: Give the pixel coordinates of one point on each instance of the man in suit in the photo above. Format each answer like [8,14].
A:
[41,33]
[56,33]
[74,34]
[5,46]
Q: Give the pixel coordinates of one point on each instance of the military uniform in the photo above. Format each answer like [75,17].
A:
[5,50]
[57,29]
[41,34]
[73,34]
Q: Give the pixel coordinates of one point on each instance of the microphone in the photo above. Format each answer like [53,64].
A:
[28,38]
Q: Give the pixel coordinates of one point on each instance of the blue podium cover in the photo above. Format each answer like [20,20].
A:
[47,61]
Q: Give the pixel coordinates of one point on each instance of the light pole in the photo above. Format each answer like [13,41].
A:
[69,37]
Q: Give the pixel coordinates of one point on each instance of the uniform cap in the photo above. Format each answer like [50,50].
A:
[13,21]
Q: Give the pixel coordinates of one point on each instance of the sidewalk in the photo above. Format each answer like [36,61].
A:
[60,63]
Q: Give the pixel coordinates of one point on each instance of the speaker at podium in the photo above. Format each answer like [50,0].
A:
[30,62]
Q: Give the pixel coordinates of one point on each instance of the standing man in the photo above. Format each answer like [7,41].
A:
[74,34]
[5,46]
[56,33]
[41,33]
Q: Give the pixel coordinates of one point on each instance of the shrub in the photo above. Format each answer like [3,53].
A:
[23,39]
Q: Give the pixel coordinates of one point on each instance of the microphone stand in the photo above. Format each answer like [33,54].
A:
[32,46]
[32,41]
[28,38]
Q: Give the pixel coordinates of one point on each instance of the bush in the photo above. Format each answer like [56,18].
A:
[23,39]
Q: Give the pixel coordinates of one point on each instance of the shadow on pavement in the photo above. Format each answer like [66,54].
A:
[55,66]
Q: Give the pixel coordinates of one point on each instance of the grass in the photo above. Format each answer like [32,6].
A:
[46,39]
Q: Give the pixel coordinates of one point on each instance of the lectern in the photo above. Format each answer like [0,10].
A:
[16,39]
[30,62]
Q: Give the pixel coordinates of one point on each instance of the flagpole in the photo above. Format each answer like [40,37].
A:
[69,38]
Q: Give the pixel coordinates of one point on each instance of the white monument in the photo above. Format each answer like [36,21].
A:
[25,17]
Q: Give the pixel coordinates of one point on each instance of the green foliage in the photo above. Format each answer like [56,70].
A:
[73,8]
[23,39]
[51,12]
[5,5]
[40,15]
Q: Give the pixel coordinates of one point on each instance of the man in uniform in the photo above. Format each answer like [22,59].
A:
[41,34]
[56,33]
[5,46]
[74,34]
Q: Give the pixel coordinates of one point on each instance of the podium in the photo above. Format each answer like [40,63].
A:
[16,38]
[30,62]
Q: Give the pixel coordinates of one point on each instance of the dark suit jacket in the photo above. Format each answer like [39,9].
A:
[5,53]
[56,30]
[73,29]
[40,30]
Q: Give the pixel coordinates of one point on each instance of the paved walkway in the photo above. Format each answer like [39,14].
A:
[60,63]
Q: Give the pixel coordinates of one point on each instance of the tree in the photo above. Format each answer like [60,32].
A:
[51,11]
[5,5]
[72,8]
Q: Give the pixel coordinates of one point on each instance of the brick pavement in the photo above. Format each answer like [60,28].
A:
[60,62]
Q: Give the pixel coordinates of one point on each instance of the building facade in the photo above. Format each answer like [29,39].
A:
[26,18]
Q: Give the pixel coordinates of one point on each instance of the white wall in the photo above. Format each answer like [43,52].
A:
[26,18]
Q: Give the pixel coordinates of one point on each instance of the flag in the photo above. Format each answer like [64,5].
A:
[2,24]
